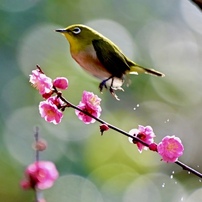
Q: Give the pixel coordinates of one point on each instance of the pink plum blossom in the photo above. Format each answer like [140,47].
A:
[40,175]
[93,101]
[49,110]
[61,83]
[170,148]
[85,118]
[90,103]
[146,134]
[41,82]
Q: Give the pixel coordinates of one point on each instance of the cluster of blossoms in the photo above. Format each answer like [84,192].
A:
[88,110]
[170,148]
[41,175]
[52,108]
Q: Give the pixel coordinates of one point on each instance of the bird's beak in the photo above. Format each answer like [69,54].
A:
[61,30]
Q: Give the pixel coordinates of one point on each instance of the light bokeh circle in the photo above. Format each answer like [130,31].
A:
[175,52]
[17,5]
[73,188]
[19,137]
[42,45]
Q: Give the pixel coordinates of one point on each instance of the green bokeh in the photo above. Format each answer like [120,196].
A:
[165,35]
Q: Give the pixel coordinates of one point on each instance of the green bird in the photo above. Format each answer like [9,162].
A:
[100,57]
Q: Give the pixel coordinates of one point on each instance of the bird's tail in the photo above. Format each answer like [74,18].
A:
[135,69]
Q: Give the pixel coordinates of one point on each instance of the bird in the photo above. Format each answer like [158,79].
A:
[100,57]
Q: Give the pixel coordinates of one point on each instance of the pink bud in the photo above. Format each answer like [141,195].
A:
[61,83]
[153,147]
[103,127]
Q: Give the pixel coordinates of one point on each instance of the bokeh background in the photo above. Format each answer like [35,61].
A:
[160,34]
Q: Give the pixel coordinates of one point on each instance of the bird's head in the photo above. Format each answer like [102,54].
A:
[79,35]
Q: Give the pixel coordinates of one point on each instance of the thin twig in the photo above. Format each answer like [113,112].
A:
[38,193]
[36,136]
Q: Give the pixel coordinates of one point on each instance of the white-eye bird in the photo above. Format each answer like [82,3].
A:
[100,57]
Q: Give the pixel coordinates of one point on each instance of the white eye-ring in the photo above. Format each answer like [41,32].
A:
[76,30]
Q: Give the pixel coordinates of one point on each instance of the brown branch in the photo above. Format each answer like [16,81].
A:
[69,104]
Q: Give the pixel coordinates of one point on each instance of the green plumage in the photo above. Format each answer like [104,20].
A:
[111,58]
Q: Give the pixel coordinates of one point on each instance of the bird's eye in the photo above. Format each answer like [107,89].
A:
[76,30]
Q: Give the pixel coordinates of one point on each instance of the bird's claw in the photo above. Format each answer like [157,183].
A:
[117,88]
[113,93]
[111,88]
[102,84]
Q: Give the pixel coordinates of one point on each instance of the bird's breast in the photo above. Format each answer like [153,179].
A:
[88,60]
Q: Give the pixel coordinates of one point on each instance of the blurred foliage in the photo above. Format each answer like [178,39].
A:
[165,35]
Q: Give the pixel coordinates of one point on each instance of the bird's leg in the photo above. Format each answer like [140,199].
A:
[111,90]
[103,83]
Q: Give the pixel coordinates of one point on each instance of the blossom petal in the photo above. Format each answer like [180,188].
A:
[90,103]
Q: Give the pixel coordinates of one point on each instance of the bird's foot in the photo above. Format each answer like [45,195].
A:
[117,88]
[111,90]
[102,84]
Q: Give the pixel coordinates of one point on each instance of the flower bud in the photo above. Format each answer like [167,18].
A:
[41,145]
[153,147]
[61,83]
[103,127]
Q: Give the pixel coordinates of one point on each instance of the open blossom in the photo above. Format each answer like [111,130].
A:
[146,134]
[49,110]
[170,148]
[40,175]
[93,101]
[41,82]
[90,103]
[61,83]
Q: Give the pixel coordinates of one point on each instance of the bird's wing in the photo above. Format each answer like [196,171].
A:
[110,57]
